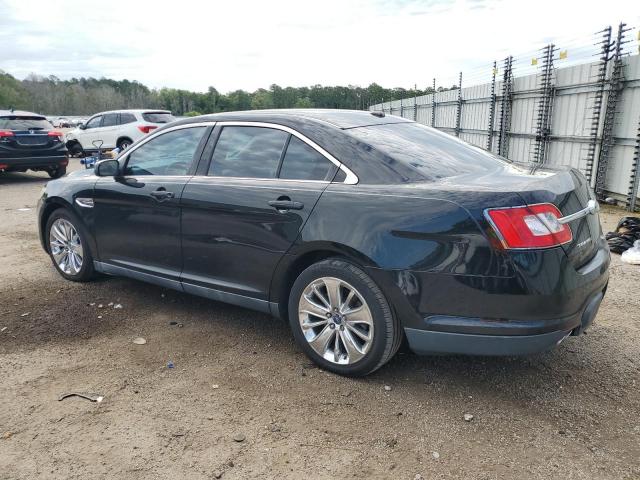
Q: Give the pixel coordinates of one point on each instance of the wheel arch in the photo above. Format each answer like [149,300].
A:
[57,203]
[293,264]
[123,137]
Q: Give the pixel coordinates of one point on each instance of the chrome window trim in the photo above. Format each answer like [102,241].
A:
[351,178]
[124,156]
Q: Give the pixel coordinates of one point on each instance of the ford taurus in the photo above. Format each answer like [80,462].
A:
[361,230]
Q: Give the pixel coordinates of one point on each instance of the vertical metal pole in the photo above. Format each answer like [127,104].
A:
[615,88]
[433,105]
[459,109]
[601,77]
[415,102]
[635,177]
[543,123]
[505,108]
[401,109]
[492,106]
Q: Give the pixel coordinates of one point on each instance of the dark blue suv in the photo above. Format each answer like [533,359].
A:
[29,142]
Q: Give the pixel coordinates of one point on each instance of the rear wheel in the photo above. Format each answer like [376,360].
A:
[341,319]
[68,247]
[57,172]
[75,149]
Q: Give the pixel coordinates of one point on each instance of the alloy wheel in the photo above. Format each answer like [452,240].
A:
[336,320]
[66,246]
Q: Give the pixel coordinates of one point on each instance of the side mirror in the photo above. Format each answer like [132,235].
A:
[107,168]
[82,126]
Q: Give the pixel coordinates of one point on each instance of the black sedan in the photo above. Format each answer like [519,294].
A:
[362,230]
[29,142]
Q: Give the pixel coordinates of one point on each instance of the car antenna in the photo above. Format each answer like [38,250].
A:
[377,114]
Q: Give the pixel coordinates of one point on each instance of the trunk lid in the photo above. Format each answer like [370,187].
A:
[566,188]
[569,191]
[29,139]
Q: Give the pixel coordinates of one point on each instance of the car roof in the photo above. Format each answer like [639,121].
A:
[134,110]
[19,113]
[342,119]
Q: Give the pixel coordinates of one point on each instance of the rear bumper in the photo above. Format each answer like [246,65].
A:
[502,337]
[532,311]
[23,163]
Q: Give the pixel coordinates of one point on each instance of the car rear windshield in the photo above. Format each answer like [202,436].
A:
[158,117]
[24,123]
[434,154]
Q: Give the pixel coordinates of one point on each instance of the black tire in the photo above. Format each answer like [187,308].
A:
[86,272]
[57,172]
[124,143]
[387,333]
[75,149]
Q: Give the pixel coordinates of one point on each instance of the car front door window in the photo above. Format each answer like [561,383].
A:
[94,122]
[170,153]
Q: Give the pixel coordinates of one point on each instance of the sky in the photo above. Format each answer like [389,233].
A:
[243,44]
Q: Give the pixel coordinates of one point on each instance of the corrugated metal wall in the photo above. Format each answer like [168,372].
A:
[571,114]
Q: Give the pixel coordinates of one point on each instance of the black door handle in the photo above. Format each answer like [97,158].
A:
[161,194]
[285,203]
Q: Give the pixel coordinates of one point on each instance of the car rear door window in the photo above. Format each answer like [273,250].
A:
[170,153]
[110,119]
[302,162]
[94,122]
[127,118]
[249,152]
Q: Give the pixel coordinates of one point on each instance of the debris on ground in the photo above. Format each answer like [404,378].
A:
[93,397]
[7,435]
[435,455]
[387,388]
[239,437]
[139,341]
[627,231]
[25,314]
[3,329]
[632,255]
[170,364]
[117,306]
[215,386]
[418,477]
[467,417]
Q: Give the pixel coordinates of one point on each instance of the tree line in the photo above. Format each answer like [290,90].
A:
[85,96]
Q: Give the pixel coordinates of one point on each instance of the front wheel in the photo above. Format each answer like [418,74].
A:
[68,247]
[342,320]
[124,143]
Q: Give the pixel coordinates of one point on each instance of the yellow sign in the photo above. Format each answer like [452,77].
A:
[563,54]
[534,61]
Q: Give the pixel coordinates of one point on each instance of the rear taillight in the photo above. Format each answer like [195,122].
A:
[55,134]
[6,133]
[534,226]
[146,128]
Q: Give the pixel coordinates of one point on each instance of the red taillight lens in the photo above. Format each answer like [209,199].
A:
[6,133]
[534,226]
[55,134]
[146,128]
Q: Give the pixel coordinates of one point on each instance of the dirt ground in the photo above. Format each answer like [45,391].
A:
[573,413]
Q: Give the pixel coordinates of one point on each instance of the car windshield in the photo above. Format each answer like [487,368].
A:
[434,154]
[158,117]
[24,123]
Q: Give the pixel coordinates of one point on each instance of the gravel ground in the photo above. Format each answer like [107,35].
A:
[243,402]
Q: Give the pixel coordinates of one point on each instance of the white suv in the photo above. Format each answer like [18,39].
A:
[117,128]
